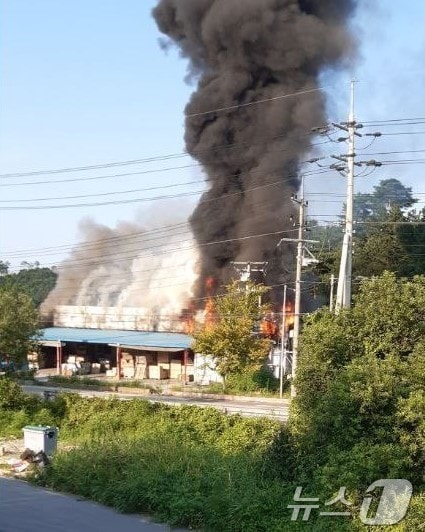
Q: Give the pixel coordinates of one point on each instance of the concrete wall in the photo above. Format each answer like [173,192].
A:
[125,318]
[204,370]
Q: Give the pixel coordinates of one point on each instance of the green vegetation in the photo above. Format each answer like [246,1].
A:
[18,409]
[229,340]
[81,382]
[358,417]
[34,281]
[359,410]
[260,381]
[188,466]
[389,236]
[18,324]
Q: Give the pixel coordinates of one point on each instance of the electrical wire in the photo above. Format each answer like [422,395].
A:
[158,158]
[153,198]
[258,102]
[166,157]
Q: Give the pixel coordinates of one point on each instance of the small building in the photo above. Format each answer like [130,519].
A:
[118,353]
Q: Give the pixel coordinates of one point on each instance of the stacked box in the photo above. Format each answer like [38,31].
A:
[95,368]
[157,373]
[175,369]
[85,368]
[141,368]
[127,365]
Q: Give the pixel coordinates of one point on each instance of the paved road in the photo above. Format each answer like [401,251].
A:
[276,410]
[24,508]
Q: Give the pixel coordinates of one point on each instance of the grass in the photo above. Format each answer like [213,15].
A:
[182,484]
[218,389]
[188,466]
[83,382]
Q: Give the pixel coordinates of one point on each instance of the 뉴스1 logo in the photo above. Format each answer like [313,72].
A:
[392,506]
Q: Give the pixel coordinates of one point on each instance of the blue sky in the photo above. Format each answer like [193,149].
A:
[86,82]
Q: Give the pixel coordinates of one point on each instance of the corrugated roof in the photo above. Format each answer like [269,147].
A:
[128,338]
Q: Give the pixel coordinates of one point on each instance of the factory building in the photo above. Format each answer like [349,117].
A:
[118,353]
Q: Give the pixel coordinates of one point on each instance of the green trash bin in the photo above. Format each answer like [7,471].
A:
[40,438]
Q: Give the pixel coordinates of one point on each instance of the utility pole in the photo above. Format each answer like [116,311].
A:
[283,346]
[345,166]
[297,309]
[302,204]
[343,296]
[331,298]
[245,269]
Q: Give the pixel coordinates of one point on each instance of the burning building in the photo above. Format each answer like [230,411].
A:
[257,66]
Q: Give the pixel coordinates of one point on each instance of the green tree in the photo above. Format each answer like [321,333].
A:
[387,238]
[380,248]
[18,323]
[4,267]
[231,340]
[387,194]
[358,415]
[411,236]
[36,282]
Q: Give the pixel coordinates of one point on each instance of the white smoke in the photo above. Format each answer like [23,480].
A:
[150,268]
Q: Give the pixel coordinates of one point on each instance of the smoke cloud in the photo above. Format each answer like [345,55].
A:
[242,52]
[150,266]
[244,55]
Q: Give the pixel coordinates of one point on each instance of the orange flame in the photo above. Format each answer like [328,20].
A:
[188,315]
[209,313]
[188,318]
[209,284]
[268,326]
[209,305]
[289,315]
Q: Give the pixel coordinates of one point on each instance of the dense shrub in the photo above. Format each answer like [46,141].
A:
[358,417]
[252,380]
[181,484]
[11,395]
[18,409]
[359,412]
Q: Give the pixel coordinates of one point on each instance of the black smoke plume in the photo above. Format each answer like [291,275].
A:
[241,52]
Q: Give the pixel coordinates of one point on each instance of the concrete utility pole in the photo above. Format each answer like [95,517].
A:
[300,262]
[343,296]
[331,298]
[297,308]
[283,345]
[245,269]
[345,166]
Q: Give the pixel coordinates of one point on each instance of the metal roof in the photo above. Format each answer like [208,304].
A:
[140,339]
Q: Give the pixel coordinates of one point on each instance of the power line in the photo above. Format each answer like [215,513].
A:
[154,198]
[393,120]
[119,257]
[103,241]
[403,133]
[156,158]
[143,234]
[166,157]
[114,193]
[181,249]
[242,105]
[146,172]
[132,237]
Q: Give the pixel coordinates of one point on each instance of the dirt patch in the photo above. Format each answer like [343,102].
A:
[10,453]
[12,458]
